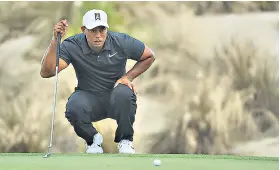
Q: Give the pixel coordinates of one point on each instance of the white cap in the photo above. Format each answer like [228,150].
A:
[95,18]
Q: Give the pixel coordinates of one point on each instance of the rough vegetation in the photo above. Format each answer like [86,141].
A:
[218,94]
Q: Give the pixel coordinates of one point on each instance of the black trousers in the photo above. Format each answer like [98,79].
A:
[84,107]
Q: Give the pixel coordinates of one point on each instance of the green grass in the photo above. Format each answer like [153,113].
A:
[34,161]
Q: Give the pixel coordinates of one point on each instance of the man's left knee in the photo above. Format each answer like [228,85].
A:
[123,93]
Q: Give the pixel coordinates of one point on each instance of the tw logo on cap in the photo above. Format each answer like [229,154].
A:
[97,16]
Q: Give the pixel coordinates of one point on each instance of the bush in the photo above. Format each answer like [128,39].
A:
[236,99]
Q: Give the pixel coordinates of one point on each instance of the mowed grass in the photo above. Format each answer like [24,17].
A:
[30,161]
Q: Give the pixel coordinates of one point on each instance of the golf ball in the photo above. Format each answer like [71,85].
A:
[157,162]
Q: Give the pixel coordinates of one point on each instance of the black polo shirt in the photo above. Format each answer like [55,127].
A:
[97,72]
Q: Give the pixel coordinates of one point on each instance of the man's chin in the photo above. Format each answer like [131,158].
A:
[97,44]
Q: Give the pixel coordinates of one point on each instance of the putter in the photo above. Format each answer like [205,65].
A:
[55,89]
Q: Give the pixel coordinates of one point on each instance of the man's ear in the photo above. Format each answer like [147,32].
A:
[83,29]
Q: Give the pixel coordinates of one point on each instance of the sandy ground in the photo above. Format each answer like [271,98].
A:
[265,147]
[151,119]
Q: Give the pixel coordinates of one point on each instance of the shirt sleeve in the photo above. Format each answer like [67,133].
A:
[133,48]
[64,54]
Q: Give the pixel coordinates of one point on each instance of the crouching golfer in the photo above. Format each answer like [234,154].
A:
[104,88]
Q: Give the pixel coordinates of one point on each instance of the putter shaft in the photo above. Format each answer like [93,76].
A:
[55,92]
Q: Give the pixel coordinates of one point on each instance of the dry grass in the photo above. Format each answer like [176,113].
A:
[232,98]
[26,99]
[25,124]
[236,99]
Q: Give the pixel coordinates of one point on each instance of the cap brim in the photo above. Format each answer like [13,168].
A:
[91,26]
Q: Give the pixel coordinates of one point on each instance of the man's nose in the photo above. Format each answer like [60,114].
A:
[98,34]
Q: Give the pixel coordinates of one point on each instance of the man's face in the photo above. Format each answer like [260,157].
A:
[96,36]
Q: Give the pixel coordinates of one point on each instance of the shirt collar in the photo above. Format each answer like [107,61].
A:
[86,49]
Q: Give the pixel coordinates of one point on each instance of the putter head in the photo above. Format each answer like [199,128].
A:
[47,155]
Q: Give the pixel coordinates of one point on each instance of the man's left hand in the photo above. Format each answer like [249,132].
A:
[124,80]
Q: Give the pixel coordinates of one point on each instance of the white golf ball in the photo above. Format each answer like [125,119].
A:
[157,162]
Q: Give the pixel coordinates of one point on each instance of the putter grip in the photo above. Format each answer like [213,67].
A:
[58,48]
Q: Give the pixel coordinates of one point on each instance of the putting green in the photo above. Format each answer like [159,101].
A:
[30,161]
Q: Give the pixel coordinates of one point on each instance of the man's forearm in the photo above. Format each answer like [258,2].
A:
[48,60]
[139,68]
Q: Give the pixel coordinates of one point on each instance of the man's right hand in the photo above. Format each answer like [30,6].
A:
[60,27]
[49,59]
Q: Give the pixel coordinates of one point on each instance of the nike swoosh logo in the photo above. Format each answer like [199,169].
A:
[112,55]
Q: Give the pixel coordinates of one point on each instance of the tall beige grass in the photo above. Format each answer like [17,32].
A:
[233,98]
[25,101]
[236,99]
